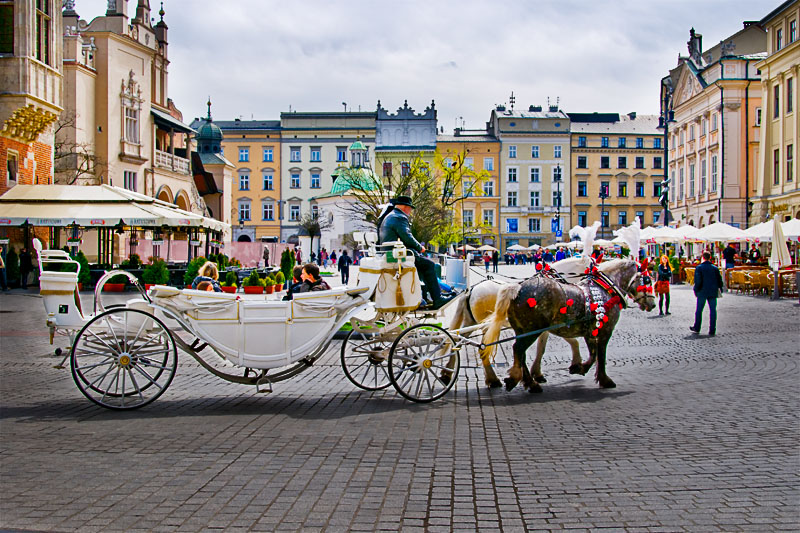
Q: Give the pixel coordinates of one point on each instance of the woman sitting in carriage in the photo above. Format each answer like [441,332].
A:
[208,272]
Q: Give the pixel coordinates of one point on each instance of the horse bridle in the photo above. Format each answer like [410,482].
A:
[646,281]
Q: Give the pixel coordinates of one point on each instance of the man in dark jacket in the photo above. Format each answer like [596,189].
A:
[729,253]
[707,284]
[25,267]
[344,266]
[396,226]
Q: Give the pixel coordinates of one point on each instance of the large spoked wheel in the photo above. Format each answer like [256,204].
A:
[123,359]
[423,364]
[364,356]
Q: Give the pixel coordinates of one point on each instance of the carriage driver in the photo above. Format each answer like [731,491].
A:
[396,226]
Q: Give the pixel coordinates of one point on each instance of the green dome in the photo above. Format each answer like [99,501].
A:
[345,179]
[357,145]
[209,132]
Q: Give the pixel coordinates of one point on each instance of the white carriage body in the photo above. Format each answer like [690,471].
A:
[393,277]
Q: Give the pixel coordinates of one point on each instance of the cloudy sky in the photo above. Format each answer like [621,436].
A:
[257,58]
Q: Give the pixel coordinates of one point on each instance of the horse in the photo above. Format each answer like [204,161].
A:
[590,309]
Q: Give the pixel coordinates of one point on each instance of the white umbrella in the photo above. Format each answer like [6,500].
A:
[682,233]
[603,243]
[487,248]
[791,229]
[516,248]
[761,232]
[780,252]
[718,232]
[533,247]
[467,247]
[663,235]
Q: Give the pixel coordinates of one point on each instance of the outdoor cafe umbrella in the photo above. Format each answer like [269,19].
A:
[516,248]
[487,248]
[467,247]
[718,232]
[791,229]
[779,256]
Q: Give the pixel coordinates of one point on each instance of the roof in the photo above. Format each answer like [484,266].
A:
[357,145]
[465,138]
[168,121]
[209,158]
[641,124]
[775,12]
[209,132]
[248,124]
[516,113]
[347,178]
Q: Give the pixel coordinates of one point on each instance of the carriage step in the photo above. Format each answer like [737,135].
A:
[264,386]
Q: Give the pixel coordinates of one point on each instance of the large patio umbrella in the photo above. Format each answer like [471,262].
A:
[779,256]
[516,248]
[791,229]
[718,232]
[760,232]
[487,248]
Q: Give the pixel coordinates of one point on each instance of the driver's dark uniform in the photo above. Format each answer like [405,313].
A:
[397,227]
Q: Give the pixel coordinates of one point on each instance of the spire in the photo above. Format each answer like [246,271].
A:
[161,12]
[143,11]
[209,109]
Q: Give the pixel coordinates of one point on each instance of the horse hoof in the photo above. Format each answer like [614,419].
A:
[540,379]
[576,369]
[494,384]
[584,369]
[608,384]
[510,383]
[535,388]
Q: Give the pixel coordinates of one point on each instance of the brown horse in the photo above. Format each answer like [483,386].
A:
[589,309]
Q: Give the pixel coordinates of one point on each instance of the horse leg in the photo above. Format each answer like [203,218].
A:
[490,378]
[575,367]
[536,367]
[520,369]
[601,377]
[584,367]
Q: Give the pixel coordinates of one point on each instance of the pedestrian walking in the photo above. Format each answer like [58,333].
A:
[707,288]
[560,254]
[333,258]
[495,260]
[25,267]
[266,255]
[344,267]
[664,277]
[486,260]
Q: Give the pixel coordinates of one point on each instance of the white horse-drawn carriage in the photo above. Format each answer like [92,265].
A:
[125,356]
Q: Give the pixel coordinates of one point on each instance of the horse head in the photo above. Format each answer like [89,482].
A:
[634,282]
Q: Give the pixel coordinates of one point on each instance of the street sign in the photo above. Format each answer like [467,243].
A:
[553,225]
[559,233]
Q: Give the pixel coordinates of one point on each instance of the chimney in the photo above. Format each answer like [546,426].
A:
[632,115]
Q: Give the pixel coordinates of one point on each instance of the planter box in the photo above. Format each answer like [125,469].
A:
[229,290]
[114,287]
[253,290]
[148,286]
[268,289]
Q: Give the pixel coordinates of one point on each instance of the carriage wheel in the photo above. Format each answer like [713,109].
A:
[419,363]
[364,357]
[123,359]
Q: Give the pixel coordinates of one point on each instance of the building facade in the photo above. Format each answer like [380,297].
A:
[534,174]
[621,155]
[777,190]
[714,96]
[313,146]
[402,137]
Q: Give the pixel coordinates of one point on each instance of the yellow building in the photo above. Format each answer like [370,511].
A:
[622,154]
[480,212]
[254,148]
[534,174]
[777,188]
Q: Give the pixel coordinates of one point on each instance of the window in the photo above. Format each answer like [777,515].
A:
[557,151]
[556,198]
[604,188]
[244,210]
[405,168]
[535,152]
[640,162]
[758,116]
[43,31]
[468,219]
[640,214]
[512,225]
[582,218]
[129,180]
[12,168]
[316,154]
[714,122]
[656,216]
[581,142]
[778,39]
[657,162]
[605,162]
[556,173]
[488,164]
[682,136]
[267,155]
[691,132]
[315,180]
[639,189]
[776,167]
[789,95]
[713,173]
[622,189]
[512,198]
[244,181]
[789,163]
[535,199]
[294,182]
[656,189]
[468,163]
[512,174]
[294,154]
[792,31]
[466,188]
[639,142]
[622,142]
[703,176]
[680,183]
[582,188]
[604,142]
[691,181]
[512,151]
[244,154]
[267,181]
[657,142]
[672,186]
[294,213]
[488,188]
[703,126]
[622,162]
[604,219]
[536,174]
[488,217]
[341,154]
[131,125]
[267,211]
[582,161]
[776,101]
[534,225]
[6,29]
[622,218]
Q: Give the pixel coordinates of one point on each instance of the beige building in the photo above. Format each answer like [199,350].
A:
[777,188]
[534,174]
[622,154]
[713,141]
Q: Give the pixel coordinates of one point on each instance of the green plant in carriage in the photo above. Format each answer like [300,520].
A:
[253,280]
[287,263]
[156,273]
[192,269]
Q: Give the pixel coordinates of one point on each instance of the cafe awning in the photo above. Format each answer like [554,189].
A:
[93,206]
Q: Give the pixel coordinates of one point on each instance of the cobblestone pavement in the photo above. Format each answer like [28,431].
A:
[701,434]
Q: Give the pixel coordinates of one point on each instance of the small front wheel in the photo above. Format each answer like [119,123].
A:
[423,363]
[123,358]
[364,355]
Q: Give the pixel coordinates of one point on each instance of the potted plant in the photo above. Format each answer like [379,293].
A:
[269,283]
[253,284]
[192,269]
[116,283]
[85,276]
[229,285]
[155,273]
[279,281]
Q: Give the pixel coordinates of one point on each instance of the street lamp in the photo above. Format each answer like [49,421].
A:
[558,200]
[666,117]
[603,196]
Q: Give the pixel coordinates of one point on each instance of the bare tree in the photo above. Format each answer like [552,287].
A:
[313,225]
[73,161]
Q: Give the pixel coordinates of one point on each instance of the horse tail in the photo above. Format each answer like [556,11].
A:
[494,324]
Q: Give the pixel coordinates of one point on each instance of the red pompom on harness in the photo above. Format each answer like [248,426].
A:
[531,302]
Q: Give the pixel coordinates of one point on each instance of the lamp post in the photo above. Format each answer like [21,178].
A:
[666,117]
[558,199]
[603,196]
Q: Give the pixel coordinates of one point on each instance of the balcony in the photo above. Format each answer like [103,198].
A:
[172,162]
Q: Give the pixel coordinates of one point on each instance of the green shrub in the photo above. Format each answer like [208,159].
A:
[119,278]
[85,275]
[287,263]
[253,280]
[156,273]
[675,263]
[235,262]
[231,279]
[192,269]
[280,279]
